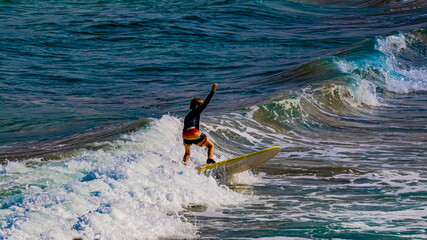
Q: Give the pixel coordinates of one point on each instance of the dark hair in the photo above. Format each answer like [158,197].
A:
[195,103]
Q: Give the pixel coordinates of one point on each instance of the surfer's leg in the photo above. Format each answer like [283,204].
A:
[211,150]
[187,154]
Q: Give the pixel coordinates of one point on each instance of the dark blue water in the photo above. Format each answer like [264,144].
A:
[93,93]
[68,67]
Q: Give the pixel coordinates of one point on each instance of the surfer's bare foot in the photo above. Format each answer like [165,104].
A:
[186,163]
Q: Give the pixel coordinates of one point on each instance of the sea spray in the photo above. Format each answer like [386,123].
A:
[132,190]
[395,63]
[406,58]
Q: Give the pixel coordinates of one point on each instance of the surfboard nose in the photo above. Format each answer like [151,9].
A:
[244,162]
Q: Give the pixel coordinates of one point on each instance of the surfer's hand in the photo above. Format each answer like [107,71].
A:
[214,87]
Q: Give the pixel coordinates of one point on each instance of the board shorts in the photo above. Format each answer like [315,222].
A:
[194,136]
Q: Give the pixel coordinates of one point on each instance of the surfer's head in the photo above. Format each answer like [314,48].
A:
[195,103]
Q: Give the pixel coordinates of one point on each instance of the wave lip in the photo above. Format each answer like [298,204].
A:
[396,63]
[346,91]
[406,55]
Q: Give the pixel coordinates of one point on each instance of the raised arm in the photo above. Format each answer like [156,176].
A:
[208,98]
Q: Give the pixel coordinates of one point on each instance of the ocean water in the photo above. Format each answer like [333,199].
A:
[93,96]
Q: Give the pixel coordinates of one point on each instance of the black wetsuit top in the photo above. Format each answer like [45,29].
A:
[193,117]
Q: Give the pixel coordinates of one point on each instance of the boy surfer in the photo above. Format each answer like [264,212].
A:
[191,133]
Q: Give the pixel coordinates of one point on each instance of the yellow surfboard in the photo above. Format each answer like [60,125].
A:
[243,163]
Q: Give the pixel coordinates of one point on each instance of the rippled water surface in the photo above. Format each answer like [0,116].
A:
[93,95]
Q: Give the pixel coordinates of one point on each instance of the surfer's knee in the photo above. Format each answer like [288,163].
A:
[209,144]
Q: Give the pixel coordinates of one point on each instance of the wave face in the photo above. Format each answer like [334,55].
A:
[400,65]
[342,90]
[93,97]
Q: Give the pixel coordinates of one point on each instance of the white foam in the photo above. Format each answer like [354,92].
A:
[379,221]
[364,93]
[389,71]
[412,78]
[246,178]
[417,82]
[136,190]
[242,129]
[392,44]
[383,211]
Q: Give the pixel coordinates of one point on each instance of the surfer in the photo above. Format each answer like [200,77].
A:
[191,133]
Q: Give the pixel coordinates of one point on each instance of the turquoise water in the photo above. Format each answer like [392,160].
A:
[93,95]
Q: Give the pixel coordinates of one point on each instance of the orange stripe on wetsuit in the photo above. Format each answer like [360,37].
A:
[193,136]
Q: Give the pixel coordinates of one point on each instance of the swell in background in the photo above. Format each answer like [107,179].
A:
[93,69]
